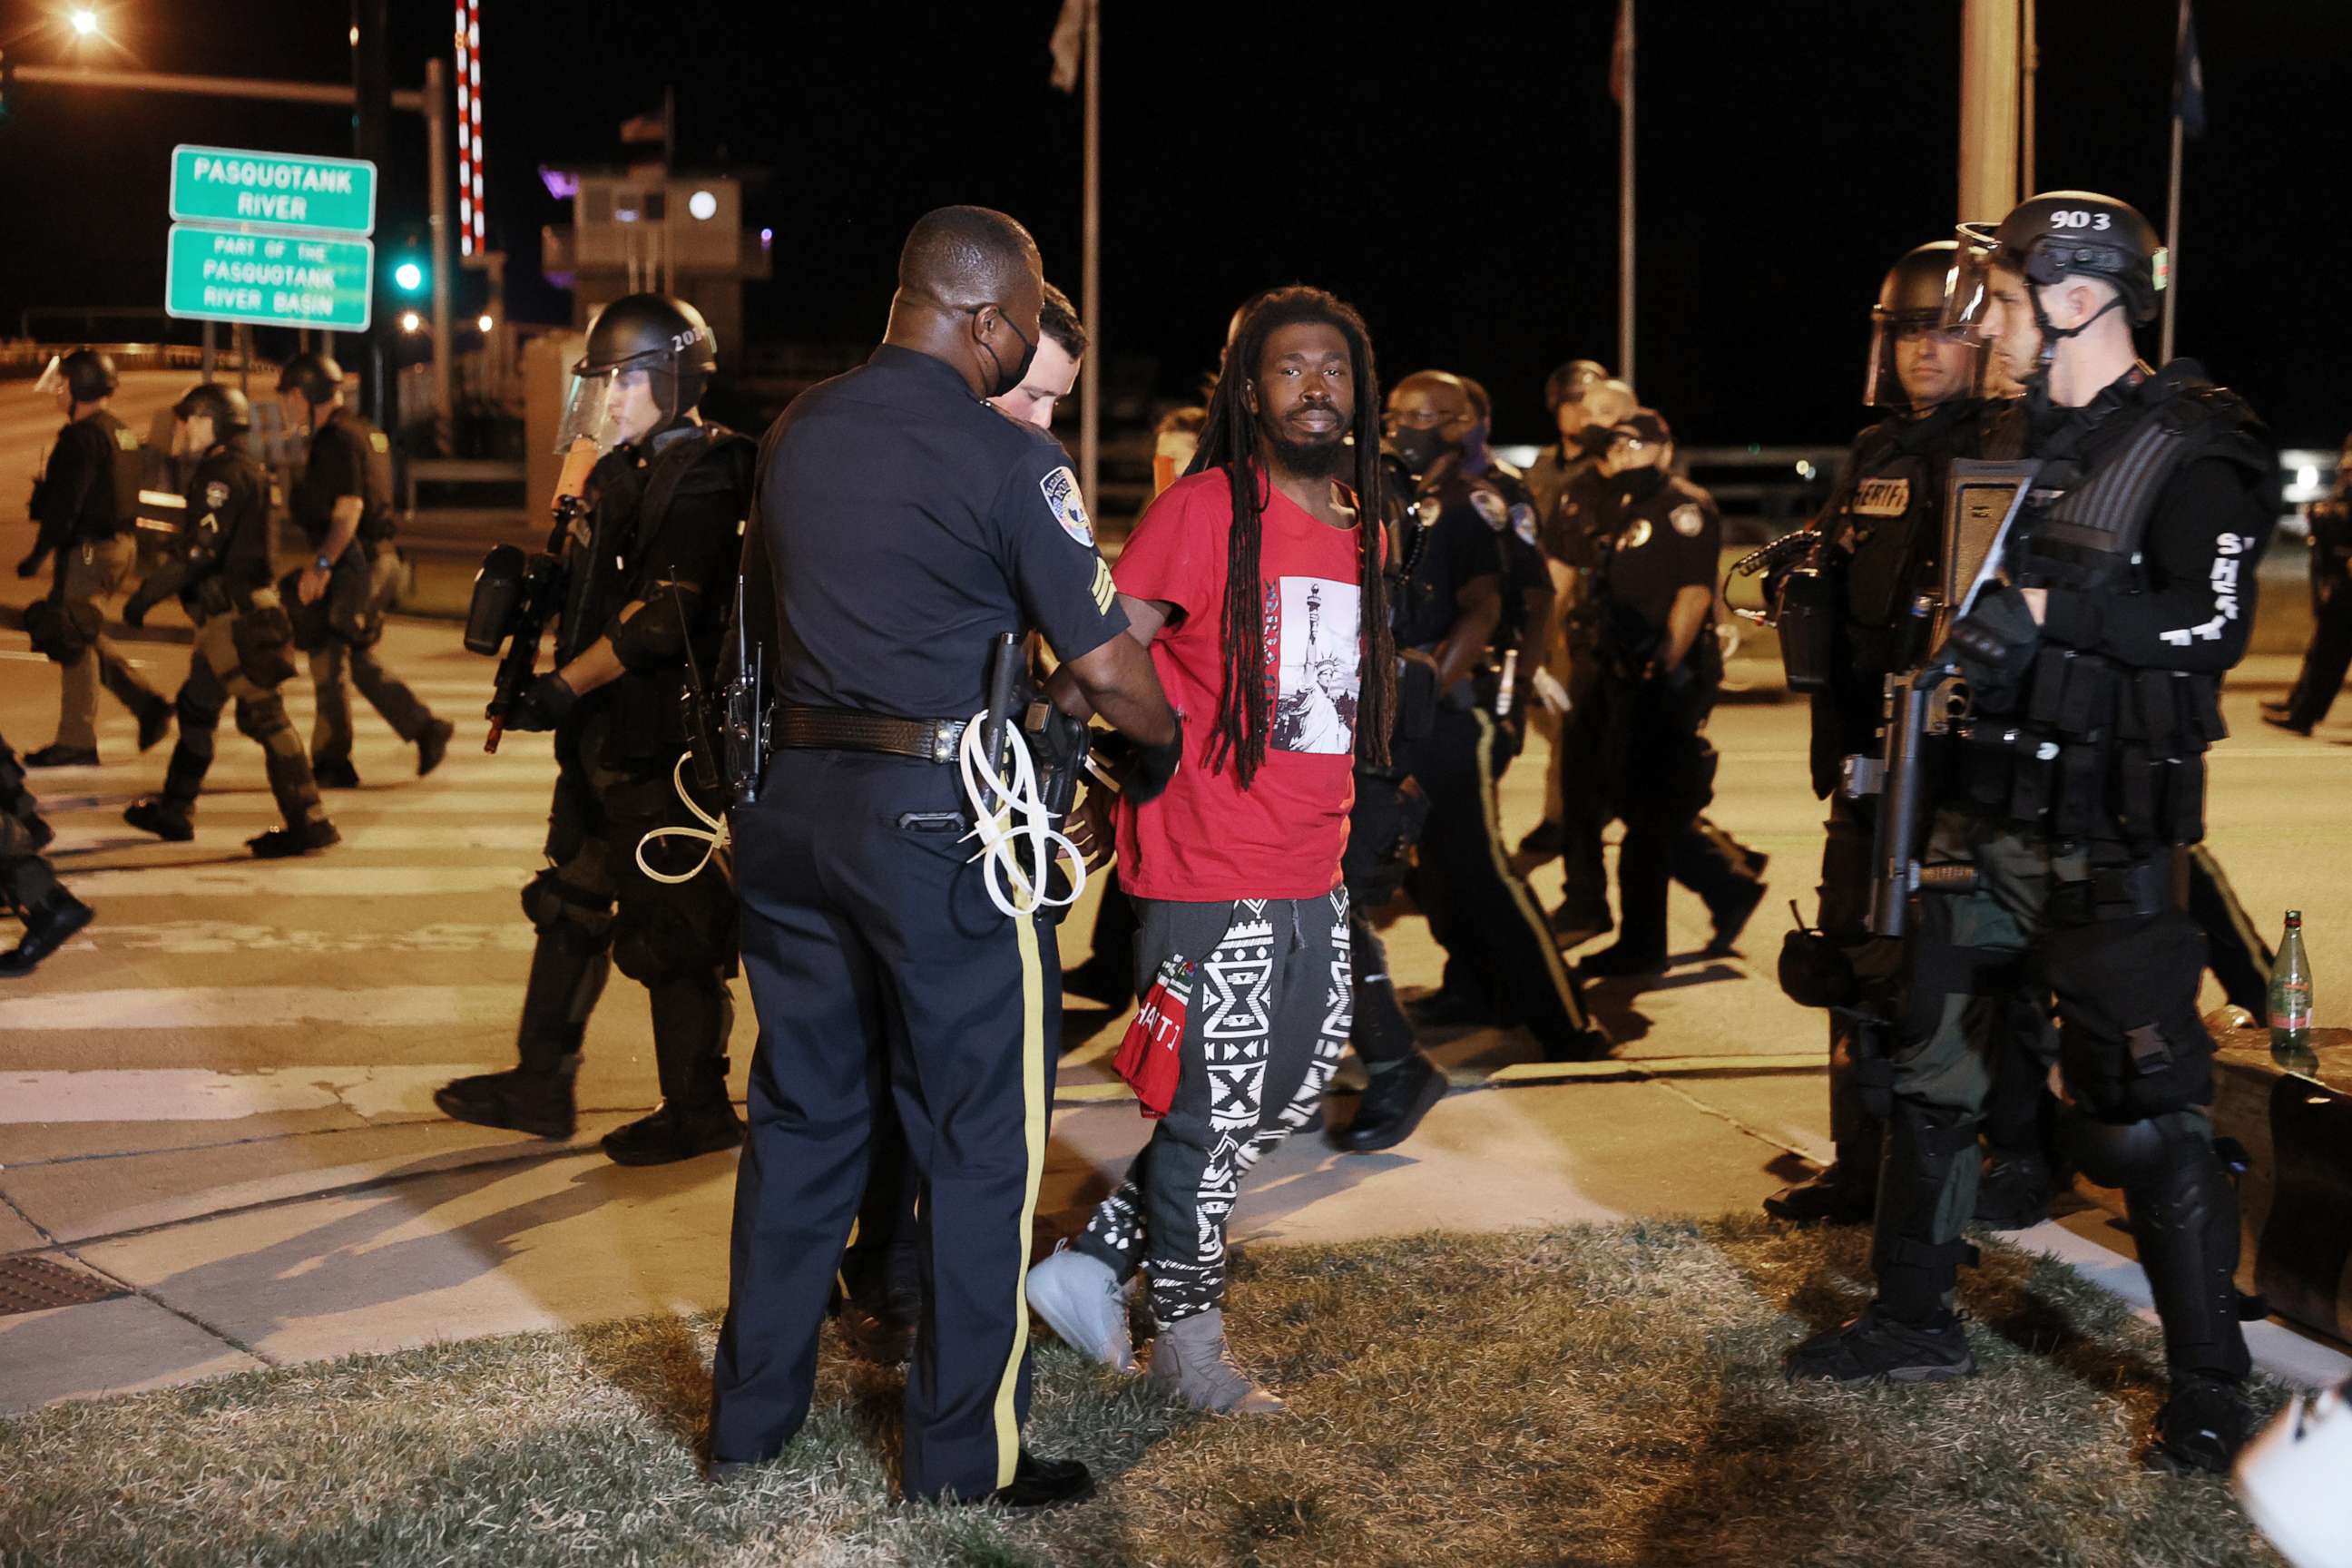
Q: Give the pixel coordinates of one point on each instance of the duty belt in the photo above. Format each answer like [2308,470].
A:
[847,729]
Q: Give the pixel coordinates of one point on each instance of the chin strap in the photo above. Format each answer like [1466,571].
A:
[2052,336]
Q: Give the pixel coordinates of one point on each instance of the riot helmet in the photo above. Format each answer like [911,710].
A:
[316,377]
[1915,360]
[648,359]
[225,406]
[2059,235]
[85,375]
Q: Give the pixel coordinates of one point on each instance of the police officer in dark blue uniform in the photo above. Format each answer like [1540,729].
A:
[907,527]
[1502,963]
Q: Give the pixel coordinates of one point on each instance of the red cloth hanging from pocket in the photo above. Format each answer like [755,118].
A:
[1150,1058]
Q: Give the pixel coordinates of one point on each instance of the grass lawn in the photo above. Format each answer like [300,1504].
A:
[1599,1395]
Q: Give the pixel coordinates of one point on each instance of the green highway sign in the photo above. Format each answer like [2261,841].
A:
[228,185]
[269,279]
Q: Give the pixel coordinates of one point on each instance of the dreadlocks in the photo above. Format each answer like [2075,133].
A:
[1235,440]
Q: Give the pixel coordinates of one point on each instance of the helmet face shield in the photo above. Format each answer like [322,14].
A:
[1917,362]
[1969,292]
[53,377]
[613,405]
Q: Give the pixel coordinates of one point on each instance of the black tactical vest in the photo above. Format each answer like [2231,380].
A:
[2096,748]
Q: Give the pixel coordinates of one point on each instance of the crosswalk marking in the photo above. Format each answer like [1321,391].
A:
[259,1007]
[528,836]
[194,1094]
[204,936]
[313,877]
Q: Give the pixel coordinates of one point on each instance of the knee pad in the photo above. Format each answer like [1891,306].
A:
[259,717]
[657,942]
[192,713]
[551,904]
[2128,1034]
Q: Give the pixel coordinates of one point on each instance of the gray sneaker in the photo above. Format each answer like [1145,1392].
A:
[1081,1301]
[1191,1360]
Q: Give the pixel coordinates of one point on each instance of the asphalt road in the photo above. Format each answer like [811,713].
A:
[219,1094]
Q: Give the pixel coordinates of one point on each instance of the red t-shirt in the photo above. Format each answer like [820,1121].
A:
[1207,839]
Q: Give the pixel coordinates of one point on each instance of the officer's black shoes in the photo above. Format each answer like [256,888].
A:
[433,745]
[2200,1428]
[517,1100]
[155,723]
[1834,1196]
[1041,1483]
[1874,1348]
[884,1333]
[1101,980]
[285,843]
[1591,1044]
[1443,1009]
[62,757]
[1541,845]
[1620,960]
[334,772]
[673,1134]
[46,926]
[2282,720]
[1731,916]
[151,813]
[2015,1192]
[1572,927]
[1393,1103]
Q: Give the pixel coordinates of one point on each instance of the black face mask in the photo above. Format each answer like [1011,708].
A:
[1007,382]
[1420,449]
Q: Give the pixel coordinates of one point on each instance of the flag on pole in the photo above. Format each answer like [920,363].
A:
[1069,37]
[2187,78]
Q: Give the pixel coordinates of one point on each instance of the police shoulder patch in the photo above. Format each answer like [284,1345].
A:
[1688,519]
[1069,508]
[215,495]
[1490,507]
[1636,536]
[1523,522]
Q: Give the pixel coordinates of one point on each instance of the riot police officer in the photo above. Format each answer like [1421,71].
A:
[1502,965]
[28,886]
[342,503]
[910,529]
[85,503]
[1845,625]
[647,573]
[2330,654]
[220,571]
[2094,674]
[1648,583]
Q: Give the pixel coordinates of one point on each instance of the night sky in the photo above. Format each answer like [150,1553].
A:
[1456,182]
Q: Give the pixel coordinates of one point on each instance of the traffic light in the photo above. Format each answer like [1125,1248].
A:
[408,273]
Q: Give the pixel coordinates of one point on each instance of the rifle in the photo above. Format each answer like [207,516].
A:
[1981,506]
[515,597]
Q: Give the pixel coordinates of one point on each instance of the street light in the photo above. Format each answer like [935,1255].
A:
[485,323]
[85,22]
[411,321]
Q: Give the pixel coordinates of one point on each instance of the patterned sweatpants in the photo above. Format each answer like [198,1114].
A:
[1271,996]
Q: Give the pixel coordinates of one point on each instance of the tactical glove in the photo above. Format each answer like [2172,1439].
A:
[546,703]
[1995,644]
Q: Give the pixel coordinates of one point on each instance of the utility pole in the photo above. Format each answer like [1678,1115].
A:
[436,156]
[1090,271]
[1990,82]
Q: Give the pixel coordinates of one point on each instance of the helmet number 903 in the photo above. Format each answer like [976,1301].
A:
[2080,217]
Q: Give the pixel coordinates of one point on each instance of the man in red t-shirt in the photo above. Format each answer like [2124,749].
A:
[1260,596]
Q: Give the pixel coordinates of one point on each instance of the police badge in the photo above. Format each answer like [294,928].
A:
[1490,507]
[1687,519]
[215,496]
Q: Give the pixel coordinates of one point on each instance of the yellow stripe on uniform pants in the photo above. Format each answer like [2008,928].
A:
[1033,1105]
[1554,966]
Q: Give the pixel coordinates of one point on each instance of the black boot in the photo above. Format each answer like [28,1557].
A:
[155,723]
[518,1100]
[334,772]
[675,1132]
[1875,1348]
[883,1331]
[432,746]
[2015,1190]
[2200,1428]
[165,819]
[1393,1105]
[285,843]
[56,756]
[1842,1194]
[1041,1484]
[47,924]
